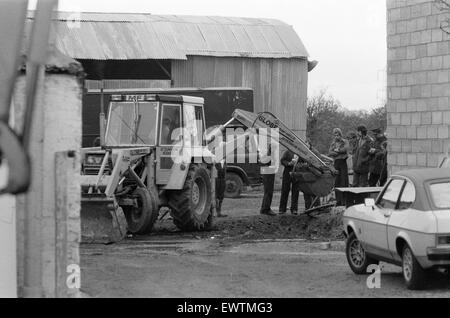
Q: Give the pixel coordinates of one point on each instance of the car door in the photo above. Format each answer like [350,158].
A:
[376,222]
[401,216]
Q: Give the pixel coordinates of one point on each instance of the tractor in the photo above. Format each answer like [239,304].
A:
[152,155]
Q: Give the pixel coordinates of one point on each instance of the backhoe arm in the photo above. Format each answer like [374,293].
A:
[286,137]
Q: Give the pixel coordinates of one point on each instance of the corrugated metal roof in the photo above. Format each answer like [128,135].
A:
[108,36]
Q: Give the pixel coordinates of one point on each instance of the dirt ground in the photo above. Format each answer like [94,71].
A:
[246,255]
[245,222]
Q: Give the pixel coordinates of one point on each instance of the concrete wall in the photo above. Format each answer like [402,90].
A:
[280,85]
[418,84]
[8,283]
[48,235]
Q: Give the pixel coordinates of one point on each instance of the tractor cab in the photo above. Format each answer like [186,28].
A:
[155,120]
[173,126]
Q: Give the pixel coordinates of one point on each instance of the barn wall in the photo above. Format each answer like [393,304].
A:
[280,85]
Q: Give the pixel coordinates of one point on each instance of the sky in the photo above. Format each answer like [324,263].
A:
[347,37]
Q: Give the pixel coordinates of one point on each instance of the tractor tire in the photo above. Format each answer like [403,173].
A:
[141,219]
[234,186]
[191,207]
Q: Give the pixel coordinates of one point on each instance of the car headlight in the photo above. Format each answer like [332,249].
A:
[94,159]
[443,240]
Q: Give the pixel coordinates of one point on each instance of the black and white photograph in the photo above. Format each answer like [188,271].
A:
[224,155]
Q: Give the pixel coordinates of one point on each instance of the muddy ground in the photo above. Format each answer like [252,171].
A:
[245,222]
[245,255]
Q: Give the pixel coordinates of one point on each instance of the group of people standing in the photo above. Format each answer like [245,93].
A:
[369,157]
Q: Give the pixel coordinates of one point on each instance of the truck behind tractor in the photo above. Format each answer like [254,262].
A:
[153,155]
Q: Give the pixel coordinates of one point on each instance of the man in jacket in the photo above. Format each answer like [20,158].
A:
[384,171]
[221,168]
[269,167]
[289,160]
[339,152]
[361,158]
[377,154]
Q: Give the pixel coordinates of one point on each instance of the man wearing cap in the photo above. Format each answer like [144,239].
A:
[377,154]
[362,158]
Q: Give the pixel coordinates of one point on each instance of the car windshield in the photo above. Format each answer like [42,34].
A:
[131,123]
[440,192]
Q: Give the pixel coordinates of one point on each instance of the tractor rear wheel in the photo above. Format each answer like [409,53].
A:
[142,217]
[191,207]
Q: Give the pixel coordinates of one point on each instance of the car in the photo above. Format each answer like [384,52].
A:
[408,225]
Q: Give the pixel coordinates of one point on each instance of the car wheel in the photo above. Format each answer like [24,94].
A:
[413,274]
[357,257]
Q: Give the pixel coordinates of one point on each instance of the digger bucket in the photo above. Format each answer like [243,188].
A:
[102,220]
[312,184]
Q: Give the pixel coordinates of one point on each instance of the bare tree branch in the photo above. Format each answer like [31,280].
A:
[444,6]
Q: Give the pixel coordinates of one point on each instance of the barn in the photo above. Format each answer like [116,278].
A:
[145,50]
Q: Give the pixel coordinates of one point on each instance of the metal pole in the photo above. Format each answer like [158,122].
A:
[102,116]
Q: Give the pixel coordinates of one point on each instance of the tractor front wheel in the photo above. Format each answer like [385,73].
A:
[142,216]
[191,207]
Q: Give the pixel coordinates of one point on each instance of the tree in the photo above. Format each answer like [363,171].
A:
[326,113]
[444,6]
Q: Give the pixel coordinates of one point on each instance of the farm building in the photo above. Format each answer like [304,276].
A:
[418,84]
[144,50]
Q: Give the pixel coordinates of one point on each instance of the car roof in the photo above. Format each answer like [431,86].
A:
[424,175]
[419,177]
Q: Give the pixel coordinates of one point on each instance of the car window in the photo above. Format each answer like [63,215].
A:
[445,163]
[408,196]
[440,192]
[390,196]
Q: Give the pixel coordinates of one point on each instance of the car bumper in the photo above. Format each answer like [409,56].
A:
[438,254]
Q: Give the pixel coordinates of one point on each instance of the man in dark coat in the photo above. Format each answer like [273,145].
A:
[377,154]
[289,160]
[353,142]
[303,167]
[339,150]
[221,168]
[362,158]
[384,171]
